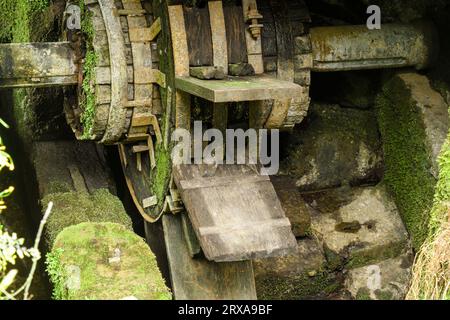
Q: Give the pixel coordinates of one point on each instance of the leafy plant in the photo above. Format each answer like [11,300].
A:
[11,246]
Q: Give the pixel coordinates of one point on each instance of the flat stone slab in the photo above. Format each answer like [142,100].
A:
[386,280]
[357,226]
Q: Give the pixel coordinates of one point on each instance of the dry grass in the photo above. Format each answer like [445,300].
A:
[431,273]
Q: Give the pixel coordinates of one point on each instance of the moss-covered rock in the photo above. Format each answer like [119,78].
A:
[303,275]
[357,226]
[413,121]
[104,261]
[386,280]
[333,147]
[72,208]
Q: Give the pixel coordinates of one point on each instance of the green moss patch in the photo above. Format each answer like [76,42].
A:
[300,287]
[104,261]
[407,157]
[87,101]
[72,208]
[16,18]
[161,176]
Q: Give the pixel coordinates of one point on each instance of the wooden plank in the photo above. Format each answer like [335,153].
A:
[25,65]
[278,114]
[183,110]
[235,31]
[199,279]
[285,40]
[147,75]
[155,29]
[140,148]
[131,12]
[210,182]
[189,236]
[239,89]
[140,35]
[118,115]
[227,227]
[179,40]
[139,182]
[199,38]
[219,36]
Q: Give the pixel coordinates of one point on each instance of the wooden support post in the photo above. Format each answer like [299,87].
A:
[117,121]
[181,62]
[219,37]
[37,65]
[254,45]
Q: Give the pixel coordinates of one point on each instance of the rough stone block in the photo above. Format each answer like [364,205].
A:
[334,146]
[298,276]
[386,280]
[357,226]
[81,267]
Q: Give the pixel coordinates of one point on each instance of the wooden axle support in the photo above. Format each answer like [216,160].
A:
[38,65]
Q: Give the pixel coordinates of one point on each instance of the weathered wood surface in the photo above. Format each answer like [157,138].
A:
[37,65]
[235,30]
[393,46]
[219,36]
[198,31]
[199,279]
[234,211]
[234,89]
[138,182]
[117,118]
[254,45]
[179,40]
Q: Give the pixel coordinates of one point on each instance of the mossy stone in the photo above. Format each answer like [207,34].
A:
[81,265]
[72,208]
[408,165]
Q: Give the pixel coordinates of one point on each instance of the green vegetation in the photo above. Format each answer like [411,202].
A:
[88,101]
[90,62]
[299,287]
[56,273]
[16,17]
[72,208]
[161,176]
[407,162]
[92,274]
[431,272]
[12,247]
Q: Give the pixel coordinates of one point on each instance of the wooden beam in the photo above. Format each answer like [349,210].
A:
[199,279]
[254,45]
[219,36]
[37,65]
[239,89]
[179,40]
[119,82]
